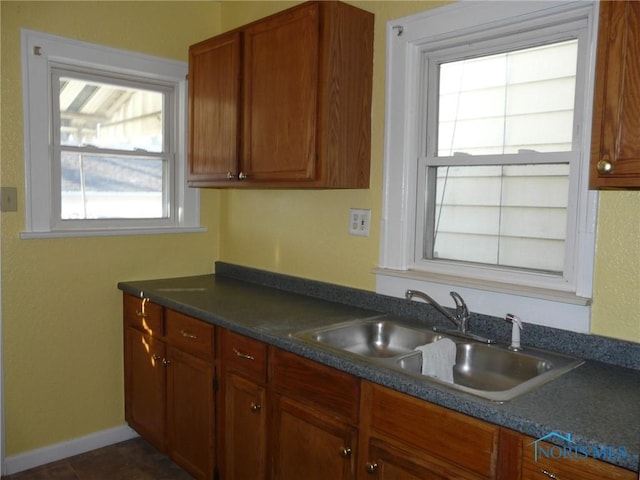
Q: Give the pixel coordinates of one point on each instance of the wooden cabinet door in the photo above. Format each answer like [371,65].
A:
[145,384]
[191,412]
[615,152]
[387,462]
[245,429]
[214,109]
[310,445]
[280,97]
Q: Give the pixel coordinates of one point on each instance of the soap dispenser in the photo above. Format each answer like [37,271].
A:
[515,331]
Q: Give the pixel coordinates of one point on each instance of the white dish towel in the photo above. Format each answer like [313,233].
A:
[438,359]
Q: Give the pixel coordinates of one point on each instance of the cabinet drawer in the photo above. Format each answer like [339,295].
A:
[465,441]
[317,384]
[244,355]
[142,314]
[571,468]
[190,334]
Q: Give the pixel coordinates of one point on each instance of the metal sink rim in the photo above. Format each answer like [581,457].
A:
[561,363]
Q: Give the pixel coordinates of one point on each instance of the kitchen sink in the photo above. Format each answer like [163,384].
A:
[490,371]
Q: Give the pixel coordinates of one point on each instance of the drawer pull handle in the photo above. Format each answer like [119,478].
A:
[255,407]
[345,452]
[243,355]
[186,334]
[549,474]
[142,313]
[371,467]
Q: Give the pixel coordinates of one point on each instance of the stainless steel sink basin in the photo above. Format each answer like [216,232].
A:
[377,338]
[490,371]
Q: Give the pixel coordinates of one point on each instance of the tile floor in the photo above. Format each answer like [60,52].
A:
[131,460]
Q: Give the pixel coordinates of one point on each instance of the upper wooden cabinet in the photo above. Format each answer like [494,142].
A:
[615,152]
[284,101]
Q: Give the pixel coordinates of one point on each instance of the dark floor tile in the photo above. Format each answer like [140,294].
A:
[130,460]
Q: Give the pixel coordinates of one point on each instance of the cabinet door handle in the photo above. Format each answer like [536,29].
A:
[371,467]
[604,166]
[549,474]
[255,407]
[345,452]
[141,313]
[243,355]
[156,357]
[166,362]
[230,176]
[186,334]
[242,176]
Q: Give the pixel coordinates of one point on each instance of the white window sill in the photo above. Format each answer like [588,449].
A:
[539,306]
[110,232]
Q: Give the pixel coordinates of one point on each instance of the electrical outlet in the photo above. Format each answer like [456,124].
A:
[8,199]
[359,222]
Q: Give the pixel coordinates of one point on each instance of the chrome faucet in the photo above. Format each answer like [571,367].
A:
[460,319]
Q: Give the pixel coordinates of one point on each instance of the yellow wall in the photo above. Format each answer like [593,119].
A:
[61,311]
[304,233]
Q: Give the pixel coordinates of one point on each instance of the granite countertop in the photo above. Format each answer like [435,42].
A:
[597,403]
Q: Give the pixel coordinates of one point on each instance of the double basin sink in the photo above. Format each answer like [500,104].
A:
[491,371]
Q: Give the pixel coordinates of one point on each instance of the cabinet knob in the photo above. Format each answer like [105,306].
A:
[230,176]
[604,166]
[371,467]
[345,452]
[255,407]
[242,176]
[166,362]
[155,357]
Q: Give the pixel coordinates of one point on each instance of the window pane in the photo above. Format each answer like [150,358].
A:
[510,102]
[507,215]
[98,186]
[110,116]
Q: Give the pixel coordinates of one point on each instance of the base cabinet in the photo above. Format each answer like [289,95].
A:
[284,417]
[310,444]
[169,383]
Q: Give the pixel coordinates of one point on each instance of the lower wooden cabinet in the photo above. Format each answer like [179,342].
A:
[243,418]
[408,438]
[169,383]
[308,443]
[145,386]
[281,416]
[541,467]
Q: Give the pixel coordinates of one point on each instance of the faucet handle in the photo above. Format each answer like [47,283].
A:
[461,308]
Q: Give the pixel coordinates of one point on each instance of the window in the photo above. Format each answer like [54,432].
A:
[104,141]
[486,161]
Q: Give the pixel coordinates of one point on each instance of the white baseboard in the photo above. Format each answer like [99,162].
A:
[58,451]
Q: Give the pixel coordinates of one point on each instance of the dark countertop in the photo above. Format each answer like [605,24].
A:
[597,403]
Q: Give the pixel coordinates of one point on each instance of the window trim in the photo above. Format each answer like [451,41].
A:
[41,52]
[397,270]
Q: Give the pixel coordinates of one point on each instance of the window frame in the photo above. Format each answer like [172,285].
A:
[484,291]
[41,54]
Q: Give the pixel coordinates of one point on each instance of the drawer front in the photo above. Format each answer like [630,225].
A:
[190,334]
[244,355]
[142,314]
[325,387]
[575,467]
[465,441]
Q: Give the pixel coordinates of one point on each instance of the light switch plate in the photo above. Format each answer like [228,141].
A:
[8,199]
